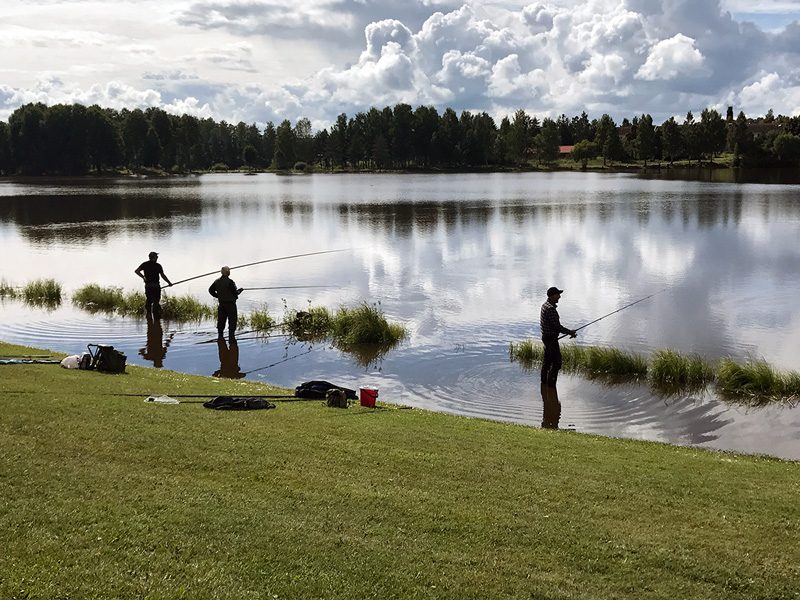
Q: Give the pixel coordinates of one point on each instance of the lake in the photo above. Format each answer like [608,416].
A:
[463,261]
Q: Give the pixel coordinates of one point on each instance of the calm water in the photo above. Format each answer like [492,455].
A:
[463,261]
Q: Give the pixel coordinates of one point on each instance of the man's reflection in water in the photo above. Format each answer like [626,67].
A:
[156,348]
[228,360]
[551,414]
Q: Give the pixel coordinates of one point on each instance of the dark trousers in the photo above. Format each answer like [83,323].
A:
[551,363]
[227,312]
[152,294]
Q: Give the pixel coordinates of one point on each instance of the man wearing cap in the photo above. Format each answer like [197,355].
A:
[225,290]
[150,271]
[550,324]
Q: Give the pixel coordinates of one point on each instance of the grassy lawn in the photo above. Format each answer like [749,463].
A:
[107,496]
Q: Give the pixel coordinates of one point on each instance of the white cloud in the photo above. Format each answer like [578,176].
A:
[258,60]
[673,58]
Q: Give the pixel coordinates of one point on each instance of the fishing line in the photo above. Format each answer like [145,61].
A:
[614,312]
[279,362]
[261,262]
[288,287]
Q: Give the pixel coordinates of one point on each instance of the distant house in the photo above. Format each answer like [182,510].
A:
[759,130]
[564,150]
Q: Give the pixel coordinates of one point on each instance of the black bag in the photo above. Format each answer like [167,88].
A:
[318,390]
[237,403]
[106,359]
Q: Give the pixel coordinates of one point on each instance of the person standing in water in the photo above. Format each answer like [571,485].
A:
[226,292]
[551,327]
[151,273]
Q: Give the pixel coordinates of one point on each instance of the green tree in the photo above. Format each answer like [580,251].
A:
[26,138]
[690,134]
[162,123]
[151,152]
[605,128]
[6,164]
[712,133]
[134,136]
[304,141]
[672,142]
[426,124]
[250,156]
[402,131]
[787,147]
[646,139]
[102,139]
[284,157]
[740,140]
[380,152]
[520,141]
[548,142]
[268,143]
[583,151]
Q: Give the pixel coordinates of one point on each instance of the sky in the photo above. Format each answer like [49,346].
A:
[269,60]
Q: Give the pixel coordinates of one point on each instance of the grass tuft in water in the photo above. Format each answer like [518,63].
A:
[94,298]
[312,325]
[592,360]
[756,379]
[185,308]
[365,324]
[42,292]
[259,320]
[670,368]
[7,290]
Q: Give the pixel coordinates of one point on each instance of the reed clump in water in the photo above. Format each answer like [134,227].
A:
[670,371]
[670,368]
[95,298]
[591,360]
[259,320]
[312,325]
[365,324]
[42,292]
[7,290]
[757,379]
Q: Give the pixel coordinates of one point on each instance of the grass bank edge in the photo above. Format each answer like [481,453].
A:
[127,500]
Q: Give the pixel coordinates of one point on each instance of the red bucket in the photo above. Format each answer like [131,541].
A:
[368,396]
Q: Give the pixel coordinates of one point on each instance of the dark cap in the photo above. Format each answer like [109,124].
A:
[152,254]
[553,291]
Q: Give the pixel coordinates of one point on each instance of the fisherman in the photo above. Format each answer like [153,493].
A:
[150,271]
[225,290]
[550,324]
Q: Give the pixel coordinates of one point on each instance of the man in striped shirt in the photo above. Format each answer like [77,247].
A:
[551,326]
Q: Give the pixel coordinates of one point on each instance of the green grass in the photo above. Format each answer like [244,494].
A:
[43,293]
[111,497]
[669,372]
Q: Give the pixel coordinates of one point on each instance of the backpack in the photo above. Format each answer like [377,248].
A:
[317,390]
[106,359]
[336,398]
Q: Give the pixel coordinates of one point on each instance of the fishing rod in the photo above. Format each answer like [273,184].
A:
[279,362]
[614,312]
[261,262]
[288,287]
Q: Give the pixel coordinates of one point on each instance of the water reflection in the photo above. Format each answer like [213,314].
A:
[228,360]
[156,347]
[551,407]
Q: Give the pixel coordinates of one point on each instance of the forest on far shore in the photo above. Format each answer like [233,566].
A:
[76,140]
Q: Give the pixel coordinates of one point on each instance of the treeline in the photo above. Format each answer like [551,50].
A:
[75,140]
